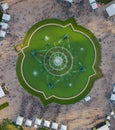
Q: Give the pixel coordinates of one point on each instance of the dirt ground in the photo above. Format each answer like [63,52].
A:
[79,116]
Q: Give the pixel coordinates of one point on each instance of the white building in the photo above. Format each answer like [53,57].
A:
[2,94]
[2,33]
[87,98]
[112,98]
[108,117]
[28,123]
[70,1]
[38,121]
[54,126]
[112,113]
[63,127]
[4,6]
[3,25]
[46,124]
[92,1]
[93,4]
[105,127]
[6,17]
[111,10]
[19,120]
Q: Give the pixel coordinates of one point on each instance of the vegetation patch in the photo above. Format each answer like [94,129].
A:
[4,105]
[104,1]
[58,61]
[8,125]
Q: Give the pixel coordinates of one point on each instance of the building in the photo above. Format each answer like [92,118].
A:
[6,17]
[28,123]
[2,94]
[112,113]
[46,124]
[63,127]
[3,25]
[108,118]
[93,4]
[19,120]
[105,127]
[112,98]
[37,122]
[54,126]
[70,1]
[92,1]
[2,34]
[102,126]
[4,6]
[87,98]
[110,10]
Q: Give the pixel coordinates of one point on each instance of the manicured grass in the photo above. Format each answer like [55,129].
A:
[36,75]
[104,1]
[31,64]
[4,105]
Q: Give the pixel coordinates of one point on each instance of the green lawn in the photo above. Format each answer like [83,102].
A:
[104,1]
[75,77]
[4,105]
[58,61]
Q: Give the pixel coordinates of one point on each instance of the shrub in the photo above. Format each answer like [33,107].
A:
[2,106]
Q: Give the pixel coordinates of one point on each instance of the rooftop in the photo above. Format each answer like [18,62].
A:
[19,120]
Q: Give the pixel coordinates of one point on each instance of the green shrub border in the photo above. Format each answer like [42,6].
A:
[96,66]
[4,105]
[104,1]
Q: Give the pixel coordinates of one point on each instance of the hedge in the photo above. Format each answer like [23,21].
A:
[4,105]
[104,1]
